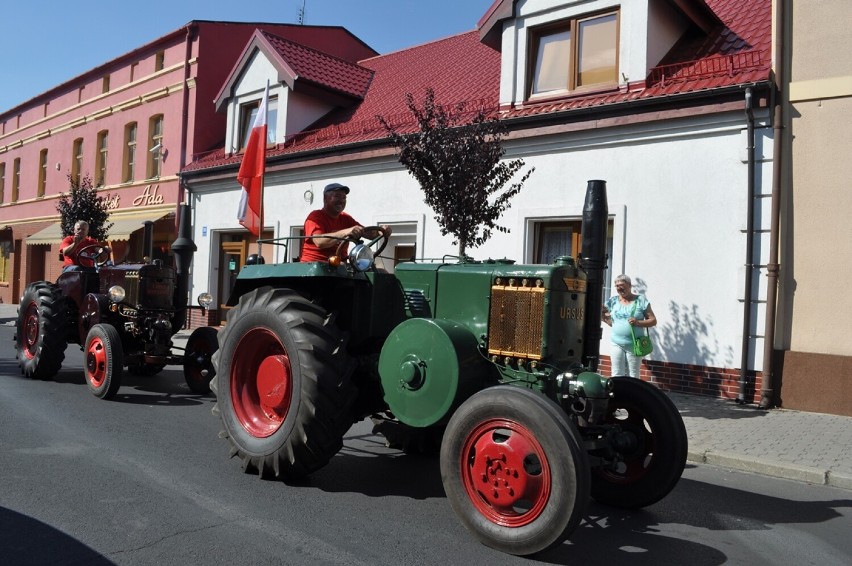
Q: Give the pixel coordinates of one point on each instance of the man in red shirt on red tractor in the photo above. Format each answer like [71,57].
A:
[71,245]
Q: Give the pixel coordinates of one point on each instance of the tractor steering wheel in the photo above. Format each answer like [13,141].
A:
[92,254]
[381,240]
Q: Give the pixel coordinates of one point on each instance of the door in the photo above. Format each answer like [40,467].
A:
[231,259]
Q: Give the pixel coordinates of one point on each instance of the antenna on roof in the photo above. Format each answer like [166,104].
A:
[302,13]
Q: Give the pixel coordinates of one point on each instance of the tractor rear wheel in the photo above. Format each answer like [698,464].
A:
[514,470]
[283,384]
[104,361]
[40,336]
[651,461]
[198,359]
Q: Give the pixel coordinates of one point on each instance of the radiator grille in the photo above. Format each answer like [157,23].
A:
[516,322]
[417,303]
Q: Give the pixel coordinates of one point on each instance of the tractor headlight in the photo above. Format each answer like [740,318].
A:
[361,257]
[116,293]
[205,300]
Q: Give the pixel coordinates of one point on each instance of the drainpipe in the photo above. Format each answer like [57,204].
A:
[184,125]
[749,260]
[768,396]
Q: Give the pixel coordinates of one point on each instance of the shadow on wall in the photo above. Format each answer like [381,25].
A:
[684,335]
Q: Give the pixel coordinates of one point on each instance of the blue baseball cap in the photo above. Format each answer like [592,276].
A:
[335,187]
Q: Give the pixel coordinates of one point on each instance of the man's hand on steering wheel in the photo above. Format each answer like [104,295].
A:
[381,238]
[92,254]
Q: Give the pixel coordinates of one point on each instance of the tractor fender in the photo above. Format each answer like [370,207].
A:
[429,367]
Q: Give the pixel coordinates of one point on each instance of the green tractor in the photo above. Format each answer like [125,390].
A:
[492,363]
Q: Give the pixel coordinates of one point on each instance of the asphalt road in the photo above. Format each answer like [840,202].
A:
[144,479]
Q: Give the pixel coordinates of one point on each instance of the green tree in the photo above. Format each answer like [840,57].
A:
[82,202]
[455,155]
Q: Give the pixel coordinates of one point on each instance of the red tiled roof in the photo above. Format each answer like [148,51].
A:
[458,69]
[320,68]
[462,69]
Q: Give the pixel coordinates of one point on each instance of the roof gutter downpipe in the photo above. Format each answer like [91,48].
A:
[749,259]
[184,119]
[768,395]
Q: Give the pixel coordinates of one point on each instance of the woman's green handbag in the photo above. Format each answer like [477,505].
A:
[642,345]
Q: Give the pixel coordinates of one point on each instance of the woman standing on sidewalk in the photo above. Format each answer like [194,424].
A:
[624,311]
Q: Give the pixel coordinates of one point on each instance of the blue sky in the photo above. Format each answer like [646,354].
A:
[44,44]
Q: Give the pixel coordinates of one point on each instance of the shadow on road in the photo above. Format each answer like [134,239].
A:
[25,540]
[615,536]
[168,388]
[607,535]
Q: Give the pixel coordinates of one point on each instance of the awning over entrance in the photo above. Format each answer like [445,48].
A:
[50,235]
[127,223]
[124,224]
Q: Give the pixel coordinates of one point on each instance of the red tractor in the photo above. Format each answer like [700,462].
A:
[123,316]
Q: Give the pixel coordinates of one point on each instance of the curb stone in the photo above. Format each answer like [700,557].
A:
[767,467]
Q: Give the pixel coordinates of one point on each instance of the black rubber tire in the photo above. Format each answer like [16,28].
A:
[655,465]
[304,429]
[103,362]
[40,337]
[198,357]
[508,438]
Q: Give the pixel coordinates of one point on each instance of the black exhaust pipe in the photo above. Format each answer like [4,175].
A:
[148,241]
[593,258]
[183,248]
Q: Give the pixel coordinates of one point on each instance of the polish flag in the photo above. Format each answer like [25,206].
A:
[251,172]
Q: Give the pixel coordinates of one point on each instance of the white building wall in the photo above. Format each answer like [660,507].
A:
[677,194]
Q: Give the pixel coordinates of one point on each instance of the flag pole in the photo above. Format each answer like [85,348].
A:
[260,221]
[253,171]
[263,171]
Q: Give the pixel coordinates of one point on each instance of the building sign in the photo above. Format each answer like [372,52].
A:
[112,201]
[149,196]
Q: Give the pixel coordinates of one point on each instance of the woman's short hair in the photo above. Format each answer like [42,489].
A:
[624,278]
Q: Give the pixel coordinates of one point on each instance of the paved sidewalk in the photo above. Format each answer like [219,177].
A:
[796,445]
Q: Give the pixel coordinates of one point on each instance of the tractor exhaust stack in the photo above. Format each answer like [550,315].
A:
[593,258]
[183,248]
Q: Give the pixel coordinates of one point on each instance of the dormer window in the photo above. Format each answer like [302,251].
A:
[573,54]
[248,112]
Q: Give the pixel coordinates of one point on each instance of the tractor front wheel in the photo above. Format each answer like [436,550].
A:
[283,384]
[104,361]
[652,451]
[514,470]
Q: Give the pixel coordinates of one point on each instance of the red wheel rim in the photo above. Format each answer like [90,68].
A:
[261,382]
[31,330]
[634,464]
[96,362]
[506,473]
